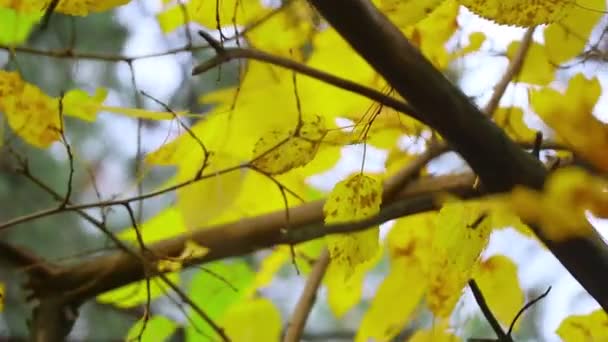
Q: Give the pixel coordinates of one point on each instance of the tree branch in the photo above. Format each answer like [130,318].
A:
[307,299]
[498,161]
[249,235]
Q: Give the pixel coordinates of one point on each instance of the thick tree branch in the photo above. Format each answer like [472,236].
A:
[498,161]
[249,235]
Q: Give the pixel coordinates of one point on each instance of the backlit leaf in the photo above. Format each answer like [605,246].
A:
[280,151]
[256,319]
[591,327]
[406,12]
[434,335]
[461,234]
[560,209]
[511,119]
[79,104]
[409,242]
[520,12]
[497,280]
[135,294]
[571,116]
[158,328]
[355,198]
[567,38]
[536,68]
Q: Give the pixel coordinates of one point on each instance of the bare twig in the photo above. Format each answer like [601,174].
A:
[307,299]
[526,307]
[68,150]
[228,54]
[485,309]
[514,67]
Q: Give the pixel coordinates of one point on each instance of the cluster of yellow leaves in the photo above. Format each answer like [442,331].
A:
[433,257]
[571,116]
[34,115]
[570,23]
[560,209]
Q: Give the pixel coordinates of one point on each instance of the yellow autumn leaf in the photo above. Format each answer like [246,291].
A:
[279,151]
[143,113]
[567,38]
[536,68]
[270,265]
[497,280]
[256,319]
[157,328]
[434,335]
[208,198]
[212,14]
[355,198]
[78,103]
[560,209]
[406,12]
[571,116]
[590,327]
[155,228]
[285,32]
[33,115]
[461,234]
[511,120]
[84,7]
[520,12]
[192,250]
[432,33]
[476,40]
[344,291]
[16,25]
[409,242]
[136,293]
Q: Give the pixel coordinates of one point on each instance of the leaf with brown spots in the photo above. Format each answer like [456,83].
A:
[355,198]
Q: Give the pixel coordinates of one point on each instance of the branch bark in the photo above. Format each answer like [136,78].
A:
[245,236]
[498,161]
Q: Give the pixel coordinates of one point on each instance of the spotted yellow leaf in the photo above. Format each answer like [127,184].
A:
[520,12]
[279,151]
[461,234]
[355,198]
[33,115]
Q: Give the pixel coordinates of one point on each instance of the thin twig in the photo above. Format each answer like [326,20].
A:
[526,307]
[485,309]
[229,54]
[68,150]
[307,299]
[513,69]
